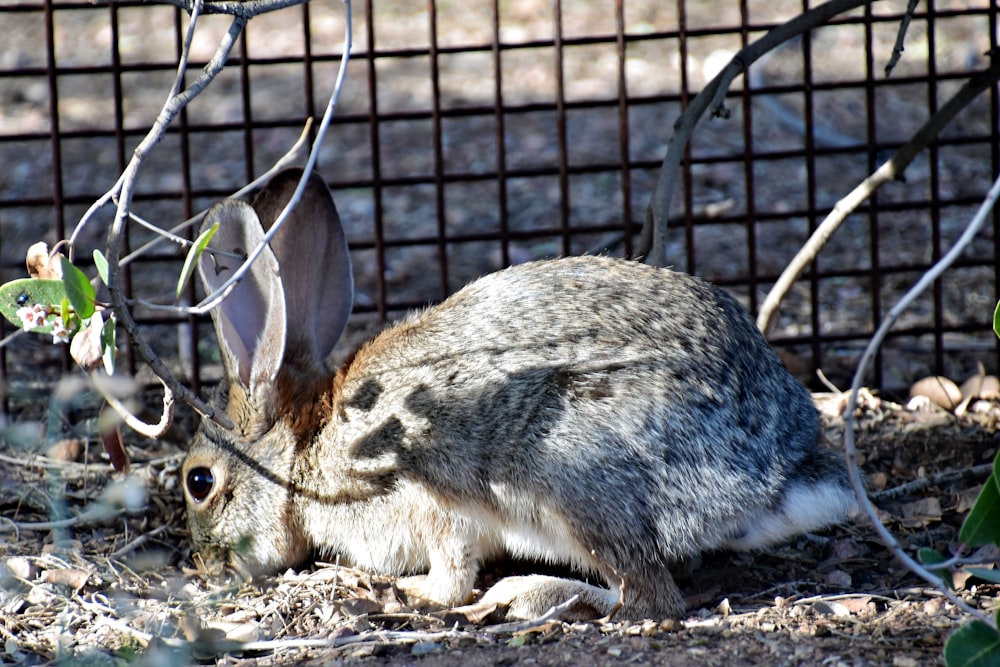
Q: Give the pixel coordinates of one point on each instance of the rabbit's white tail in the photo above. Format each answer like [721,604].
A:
[806,505]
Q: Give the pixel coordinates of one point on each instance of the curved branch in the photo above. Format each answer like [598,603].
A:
[142,428]
[652,243]
[171,108]
[214,299]
[890,170]
[850,451]
[245,9]
[293,156]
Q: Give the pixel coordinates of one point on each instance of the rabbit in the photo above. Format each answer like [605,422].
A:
[592,412]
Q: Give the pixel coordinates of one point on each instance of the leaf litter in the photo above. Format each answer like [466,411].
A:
[90,573]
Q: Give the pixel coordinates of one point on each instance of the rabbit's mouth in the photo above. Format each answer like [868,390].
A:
[226,560]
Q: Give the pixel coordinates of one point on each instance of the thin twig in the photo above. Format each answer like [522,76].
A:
[897,49]
[173,106]
[246,9]
[99,513]
[521,626]
[214,299]
[947,477]
[652,244]
[850,451]
[890,170]
[139,541]
[294,155]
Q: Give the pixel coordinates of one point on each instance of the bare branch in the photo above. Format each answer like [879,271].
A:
[897,49]
[850,451]
[521,626]
[652,243]
[890,170]
[245,9]
[170,109]
[294,155]
[142,428]
[965,475]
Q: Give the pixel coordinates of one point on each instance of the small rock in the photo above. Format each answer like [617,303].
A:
[671,625]
[21,567]
[830,608]
[724,607]
[934,606]
[650,629]
[839,578]
[426,648]
[940,390]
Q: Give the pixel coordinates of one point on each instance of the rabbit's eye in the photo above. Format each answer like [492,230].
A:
[199,483]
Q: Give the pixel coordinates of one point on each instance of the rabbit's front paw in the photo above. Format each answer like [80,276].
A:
[528,597]
[426,591]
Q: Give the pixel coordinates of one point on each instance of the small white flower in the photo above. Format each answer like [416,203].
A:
[33,316]
[60,334]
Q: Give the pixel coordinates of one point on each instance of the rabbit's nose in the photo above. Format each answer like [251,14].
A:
[199,483]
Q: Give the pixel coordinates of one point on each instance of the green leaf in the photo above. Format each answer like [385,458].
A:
[975,644]
[78,289]
[108,335]
[982,526]
[194,254]
[930,558]
[101,262]
[28,291]
[993,576]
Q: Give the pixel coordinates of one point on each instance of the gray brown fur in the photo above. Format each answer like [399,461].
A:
[587,411]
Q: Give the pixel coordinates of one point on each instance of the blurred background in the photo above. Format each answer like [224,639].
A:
[476,134]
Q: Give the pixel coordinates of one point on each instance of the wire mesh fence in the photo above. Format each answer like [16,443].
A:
[476,134]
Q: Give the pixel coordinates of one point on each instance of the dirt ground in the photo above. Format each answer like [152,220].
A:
[102,589]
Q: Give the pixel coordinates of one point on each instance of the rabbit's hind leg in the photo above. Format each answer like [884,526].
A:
[629,597]
[529,597]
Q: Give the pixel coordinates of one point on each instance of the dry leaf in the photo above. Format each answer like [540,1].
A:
[857,604]
[878,481]
[981,384]
[41,265]
[360,607]
[959,578]
[85,347]
[237,632]
[476,613]
[114,446]
[73,577]
[68,449]
[923,510]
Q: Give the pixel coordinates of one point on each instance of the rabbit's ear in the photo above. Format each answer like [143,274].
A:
[315,266]
[250,322]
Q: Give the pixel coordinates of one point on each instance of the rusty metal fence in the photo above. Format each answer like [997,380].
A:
[480,133]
